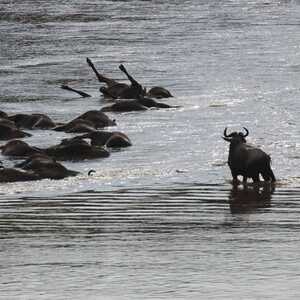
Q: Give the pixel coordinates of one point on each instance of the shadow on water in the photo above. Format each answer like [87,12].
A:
[248,198]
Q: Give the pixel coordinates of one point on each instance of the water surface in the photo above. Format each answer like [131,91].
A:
[159,220]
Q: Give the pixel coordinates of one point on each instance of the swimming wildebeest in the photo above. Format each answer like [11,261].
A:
[246,160]
[18,148]
[75,149]
[46,167]
[32,121]
[8,130]
[72,149]
[115,89]
[86,122]
[37,167]
[111,139]
[14,175]
[119,90]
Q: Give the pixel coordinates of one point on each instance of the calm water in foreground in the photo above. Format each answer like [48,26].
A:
[160,220]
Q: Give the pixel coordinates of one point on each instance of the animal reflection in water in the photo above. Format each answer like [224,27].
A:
[247,198]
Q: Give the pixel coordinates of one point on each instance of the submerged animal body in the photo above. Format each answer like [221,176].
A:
[32,121]
[9,131]
[46,167]
[246,160]
[18,148]
[15,175]
[124,106]
[143,103]
[158,92]
[113,139]
[77,126]
[36,167]
[87,122]
[3,114]
[74,150]
[115,89]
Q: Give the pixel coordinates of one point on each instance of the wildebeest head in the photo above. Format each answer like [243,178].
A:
[236,137]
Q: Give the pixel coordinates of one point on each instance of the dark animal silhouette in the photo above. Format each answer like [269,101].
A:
[68,149]
[46,167]
[32,121]
[77,126]
[246,160]
[135,90]
[14,175]
[36,167]
[140,104]
[158,92]
[3,114]
[75,149]
[87,122]
[115,89]
[18,148]
[113,139]
[82,94]
[124,106]
[8,131]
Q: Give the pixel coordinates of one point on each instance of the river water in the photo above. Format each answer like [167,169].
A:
[161,219]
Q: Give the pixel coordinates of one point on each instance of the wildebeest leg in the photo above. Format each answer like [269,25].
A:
[255,178]
[234,178]
[131,79]
[101,78]
[83,94]
[268,174]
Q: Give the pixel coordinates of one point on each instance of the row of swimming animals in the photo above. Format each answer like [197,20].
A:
[43,163]
[243,159]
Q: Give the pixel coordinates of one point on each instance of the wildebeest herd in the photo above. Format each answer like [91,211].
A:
[40,163]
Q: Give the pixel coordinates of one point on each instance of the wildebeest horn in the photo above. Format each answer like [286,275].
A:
[225,132]
[91,172]
[227,137]
[247,132]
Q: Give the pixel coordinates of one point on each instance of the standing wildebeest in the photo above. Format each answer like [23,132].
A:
[247,160]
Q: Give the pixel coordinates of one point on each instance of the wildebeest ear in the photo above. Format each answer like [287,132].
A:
[226,139]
